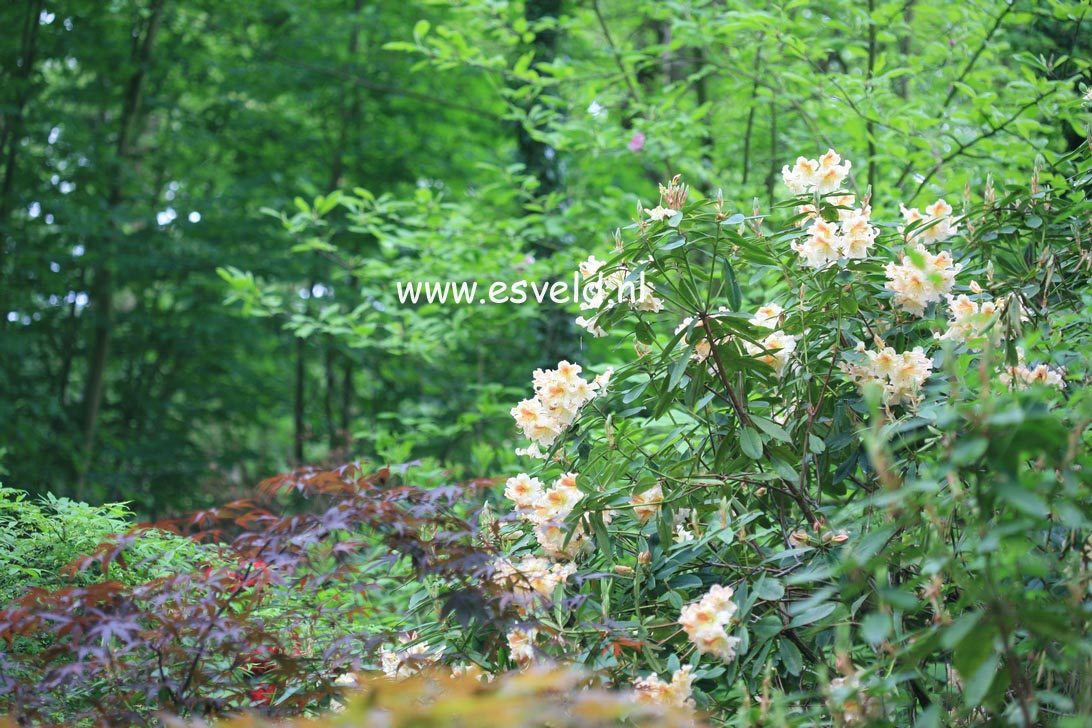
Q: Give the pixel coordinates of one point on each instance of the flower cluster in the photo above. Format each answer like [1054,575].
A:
[533,579]
[706,619]
[546,509]
[968,319]
[399,664]
[677,693]
[521,645]
[776,348]
[559,395]
[647,503]
[810,211]
[820,176]
[900,375]
[851,237]
[936,224]
[1021,376]
[920,278]
[613,286]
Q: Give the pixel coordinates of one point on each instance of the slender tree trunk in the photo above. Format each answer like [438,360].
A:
[102,282]
[350,113]
[330,372]
[541,161]
[299,411]
[902,82]
[11,131]
[535,154]
[347,394]
[870,127]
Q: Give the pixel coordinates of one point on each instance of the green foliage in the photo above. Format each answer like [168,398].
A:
[41,538]
[127,178]
[907,542]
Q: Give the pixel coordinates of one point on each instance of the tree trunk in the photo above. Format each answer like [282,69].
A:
[11,130]
[102,283]
[300,407]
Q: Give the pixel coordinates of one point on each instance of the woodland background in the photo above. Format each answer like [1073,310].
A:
[143,144]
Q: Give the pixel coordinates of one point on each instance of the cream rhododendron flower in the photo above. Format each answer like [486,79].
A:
[659,213]
[916,287]
[852,705]
[843,203]
[820,176]
[900,375]
[590,267]
[936,223]
[857,233]
[1021,376]
[967,320]
[521,645]
[677,693]
[705,621]
[767,316]
[775,350]
[559,395]
[832,172]
[533,579]
[548,508]
[399,664]
[591,325]
[702,349]
[778,345]
[612,289]
[822,246]
[683,534]
[523,490]
[802,177]
[851,237]
[647,503]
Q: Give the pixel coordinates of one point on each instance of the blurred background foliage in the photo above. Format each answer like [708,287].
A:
[160,156]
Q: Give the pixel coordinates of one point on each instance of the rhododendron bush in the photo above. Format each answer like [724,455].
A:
[840,479]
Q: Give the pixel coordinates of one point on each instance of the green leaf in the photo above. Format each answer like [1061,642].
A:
[812,615]
[791,657]
[975,659]
[769,590]
[750,443]
[1022,499]
[678,368]
[735,294]
[771,428]
[875,627]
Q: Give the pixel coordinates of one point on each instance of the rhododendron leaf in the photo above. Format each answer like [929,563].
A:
[875,627]
[1022,499]
[771,428]
[791,657]
[735,294]
[769,590]
[812,615]
[750,443]
[678,368]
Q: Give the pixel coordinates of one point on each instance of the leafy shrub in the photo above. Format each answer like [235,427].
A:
[280,610]
[38,538]
[844,479]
